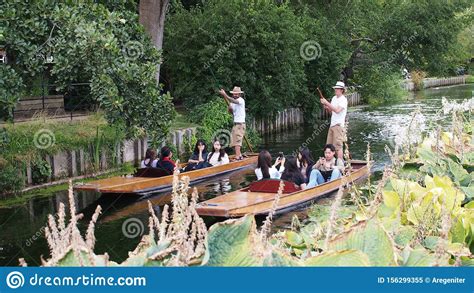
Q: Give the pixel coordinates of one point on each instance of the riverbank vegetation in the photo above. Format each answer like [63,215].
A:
[401,220]
[31,142]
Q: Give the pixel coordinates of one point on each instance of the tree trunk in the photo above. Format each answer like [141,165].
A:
[152,15]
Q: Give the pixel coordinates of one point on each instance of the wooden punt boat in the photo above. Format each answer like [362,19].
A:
[258,198]
[143,184]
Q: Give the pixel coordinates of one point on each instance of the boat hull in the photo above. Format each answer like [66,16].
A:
[242,202]
[143,185]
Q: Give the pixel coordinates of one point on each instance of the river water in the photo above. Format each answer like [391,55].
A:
[22,226]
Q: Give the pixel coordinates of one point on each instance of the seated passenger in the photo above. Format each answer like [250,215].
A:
[218,155]
[199,156]
[293,174]
[165,162]
[150,159]
[265,170]
[305,163]
[326,169]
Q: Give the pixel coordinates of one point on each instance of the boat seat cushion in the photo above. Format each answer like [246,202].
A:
[272,185]
[151,172]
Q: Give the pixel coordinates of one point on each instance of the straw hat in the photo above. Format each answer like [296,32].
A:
[236,90]
[339,85]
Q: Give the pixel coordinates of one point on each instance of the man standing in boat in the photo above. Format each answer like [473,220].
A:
[237,106]
[338,107]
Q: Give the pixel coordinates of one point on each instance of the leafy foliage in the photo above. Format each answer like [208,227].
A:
[253,44]
[87,43]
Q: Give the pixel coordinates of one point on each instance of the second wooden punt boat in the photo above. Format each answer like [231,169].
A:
[143,185]
[258,198]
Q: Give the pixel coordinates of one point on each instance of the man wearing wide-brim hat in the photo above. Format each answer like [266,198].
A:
[338,108]
[237,105]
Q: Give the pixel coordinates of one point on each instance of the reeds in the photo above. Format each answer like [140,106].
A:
[184,230]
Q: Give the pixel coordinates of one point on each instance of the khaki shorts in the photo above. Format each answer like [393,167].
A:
[336,136]
[238,132]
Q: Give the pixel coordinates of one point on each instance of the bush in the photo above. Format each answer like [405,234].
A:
[214,120]
[40,171]
[11,180]
[379,85]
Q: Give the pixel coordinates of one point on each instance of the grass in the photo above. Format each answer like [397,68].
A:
[43,136]
[470,79]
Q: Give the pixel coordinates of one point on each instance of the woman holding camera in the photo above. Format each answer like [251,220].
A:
[265,169]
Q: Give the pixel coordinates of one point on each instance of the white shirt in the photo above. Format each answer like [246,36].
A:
[339,118]
[214,159]
[143,163]
[274,173]
[238,110]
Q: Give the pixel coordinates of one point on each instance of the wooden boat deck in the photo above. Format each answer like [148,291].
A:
[145,185]
[243,201]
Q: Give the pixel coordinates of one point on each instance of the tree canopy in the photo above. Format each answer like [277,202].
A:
[89,43]
[367,42]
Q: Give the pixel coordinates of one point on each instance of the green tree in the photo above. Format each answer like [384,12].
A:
[253,44]
[87,42]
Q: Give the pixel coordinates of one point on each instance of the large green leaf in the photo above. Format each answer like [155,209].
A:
[457,170]
[370,238]
[231,243]
[419,257]
[405,235]
[343,258]
[468,191]
[281,259]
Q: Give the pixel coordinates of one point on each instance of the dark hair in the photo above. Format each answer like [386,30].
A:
[221,151]
[292,173]
[329,146]
[151,155]
[198,142]
[264,163]
[306,156]
[165,152]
